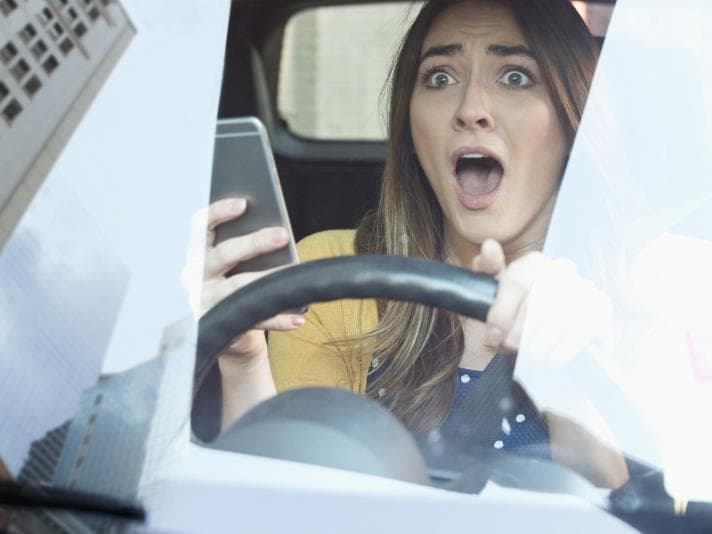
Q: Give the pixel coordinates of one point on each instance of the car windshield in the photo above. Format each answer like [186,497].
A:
[106,149]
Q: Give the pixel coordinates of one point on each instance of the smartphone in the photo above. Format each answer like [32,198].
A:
[243,166]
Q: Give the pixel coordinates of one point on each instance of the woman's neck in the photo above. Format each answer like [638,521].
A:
[462,253]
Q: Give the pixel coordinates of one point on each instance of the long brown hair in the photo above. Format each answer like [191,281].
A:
[421,347]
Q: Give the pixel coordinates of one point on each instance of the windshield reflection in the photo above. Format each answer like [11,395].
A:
[95,367]
[96,347]
[639,196]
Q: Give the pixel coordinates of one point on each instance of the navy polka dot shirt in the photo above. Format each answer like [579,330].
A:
[523,432]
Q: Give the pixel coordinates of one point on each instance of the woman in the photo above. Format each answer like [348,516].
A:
[486,99]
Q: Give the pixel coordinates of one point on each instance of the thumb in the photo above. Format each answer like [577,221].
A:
[490,260]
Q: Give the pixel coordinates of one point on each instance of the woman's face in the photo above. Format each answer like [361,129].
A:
[485,131]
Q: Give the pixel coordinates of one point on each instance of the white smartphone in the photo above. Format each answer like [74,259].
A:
[243,166]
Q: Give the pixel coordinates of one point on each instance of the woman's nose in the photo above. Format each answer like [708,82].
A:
[474,111]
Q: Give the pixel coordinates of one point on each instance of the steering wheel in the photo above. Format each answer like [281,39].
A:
[337,428]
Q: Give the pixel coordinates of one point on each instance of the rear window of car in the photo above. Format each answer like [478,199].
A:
[335,62]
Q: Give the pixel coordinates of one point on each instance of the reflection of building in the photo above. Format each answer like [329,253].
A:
[129,427]
[39,468]
[54,56]
[104,451]
[105,446]
[127,422]
[43,456]
[34,521]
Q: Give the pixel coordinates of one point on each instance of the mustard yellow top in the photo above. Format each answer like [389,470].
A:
[311,355]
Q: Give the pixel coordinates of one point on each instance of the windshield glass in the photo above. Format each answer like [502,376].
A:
[103,229]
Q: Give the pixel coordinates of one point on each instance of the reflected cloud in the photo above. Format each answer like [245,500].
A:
[69,246]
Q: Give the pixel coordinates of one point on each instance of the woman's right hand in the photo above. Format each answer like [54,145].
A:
[218,260]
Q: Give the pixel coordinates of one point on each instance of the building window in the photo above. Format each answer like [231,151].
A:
[79,461]
[72,13]
[4,91]
[92,419]
[38,49]
[56,30]
[86,439]
[32,86]
[27,33]
[50,64]
[80,29]
[7,6]
[45,15]
[20,69]
[8,52]
[59,3]
[66,46]
[98,399]
[11,111]
[91,10]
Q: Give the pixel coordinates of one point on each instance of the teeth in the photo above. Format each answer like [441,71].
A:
[474,155]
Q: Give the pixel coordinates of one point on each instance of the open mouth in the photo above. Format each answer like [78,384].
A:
[478,174]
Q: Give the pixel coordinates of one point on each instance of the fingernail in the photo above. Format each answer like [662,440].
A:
[278,236]
[238,204]
[493,336]
[297,320]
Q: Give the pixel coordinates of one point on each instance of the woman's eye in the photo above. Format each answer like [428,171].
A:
[439,79]
[516,79]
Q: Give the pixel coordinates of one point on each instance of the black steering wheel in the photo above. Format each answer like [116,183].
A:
[340,429]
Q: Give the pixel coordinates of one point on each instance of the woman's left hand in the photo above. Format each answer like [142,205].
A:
[564,311]
[505,320]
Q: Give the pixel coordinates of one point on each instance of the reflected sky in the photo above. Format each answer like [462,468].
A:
[63,286]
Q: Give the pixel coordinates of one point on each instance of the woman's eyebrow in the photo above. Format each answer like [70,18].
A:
[442,50]
[499,50]
[510,50]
